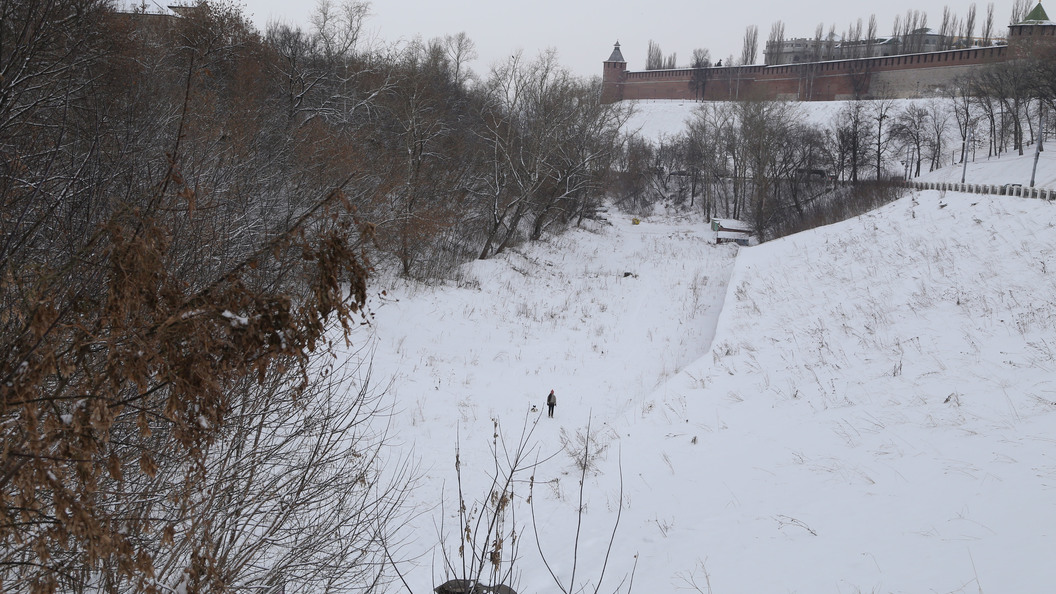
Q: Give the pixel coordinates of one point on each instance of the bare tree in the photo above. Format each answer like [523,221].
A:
[938,122]
[488,529]
[1020,9]
[881,112]
[654,57]
[339,26]
[801,171]
[515,140]
[581,155]
[830,43]
[700,161]
[489,532]
[318,68]
[922,32]
[817,50]
[428,189]
[852,41]
[700,63]
[968,29]
[909,129]
[293,497]
[987,31]
[947,28]
[914,32]
[701,58]
[808,72]
[655,60]
[180,261]
[633,174]
[902,29]
[460,50]
[750,48]
[775,44]
[853,136]
[1043,68]
[765,128]
[992,110]
[585,451]
[870,37]
[961,106]
[1012,86]
[539,123]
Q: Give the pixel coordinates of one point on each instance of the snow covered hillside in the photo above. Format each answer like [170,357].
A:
[865,407]
[876,413]
[656,119]
[1008,169]
[603,315]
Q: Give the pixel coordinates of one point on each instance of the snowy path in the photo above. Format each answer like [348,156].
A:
[876,412]
[602,316]
[560,314]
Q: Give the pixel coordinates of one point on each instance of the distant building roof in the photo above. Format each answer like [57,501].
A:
[616,55]
[1037,15]
[730,225]
[187,10]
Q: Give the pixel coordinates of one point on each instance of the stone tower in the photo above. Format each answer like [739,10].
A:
[1034,36]
[613,73]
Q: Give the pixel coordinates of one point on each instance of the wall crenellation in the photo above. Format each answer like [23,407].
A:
[898,76]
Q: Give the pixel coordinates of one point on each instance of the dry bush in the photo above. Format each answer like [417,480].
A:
[845,203]
[163,317]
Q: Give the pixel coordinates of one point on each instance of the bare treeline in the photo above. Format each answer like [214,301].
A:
[786,167]
[190,210]
[760,161]
[910,33]
[655,60]
[1007,106]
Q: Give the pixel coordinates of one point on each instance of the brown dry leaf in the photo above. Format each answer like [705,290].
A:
[188,194]
[113,465]
[168,535]
[143,424]
[147,465]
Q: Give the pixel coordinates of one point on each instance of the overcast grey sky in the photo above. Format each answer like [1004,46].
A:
[583,31]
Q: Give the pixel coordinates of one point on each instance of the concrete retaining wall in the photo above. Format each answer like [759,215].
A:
[994,190]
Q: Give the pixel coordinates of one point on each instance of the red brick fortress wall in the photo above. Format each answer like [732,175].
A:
[905,76]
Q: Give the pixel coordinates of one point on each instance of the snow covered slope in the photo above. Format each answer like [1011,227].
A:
[603,315]
[865,407]
[1008,169]
[876,413]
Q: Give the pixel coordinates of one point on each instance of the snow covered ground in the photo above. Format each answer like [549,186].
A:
[1008,169]
[865,407]
[656,119]
[877,410]
[603,315]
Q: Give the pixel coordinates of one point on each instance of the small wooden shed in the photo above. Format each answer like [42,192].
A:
[730,225]
[731,231]
[731,237]
[470,587]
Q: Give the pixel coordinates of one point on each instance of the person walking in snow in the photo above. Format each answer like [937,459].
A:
[551,402]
